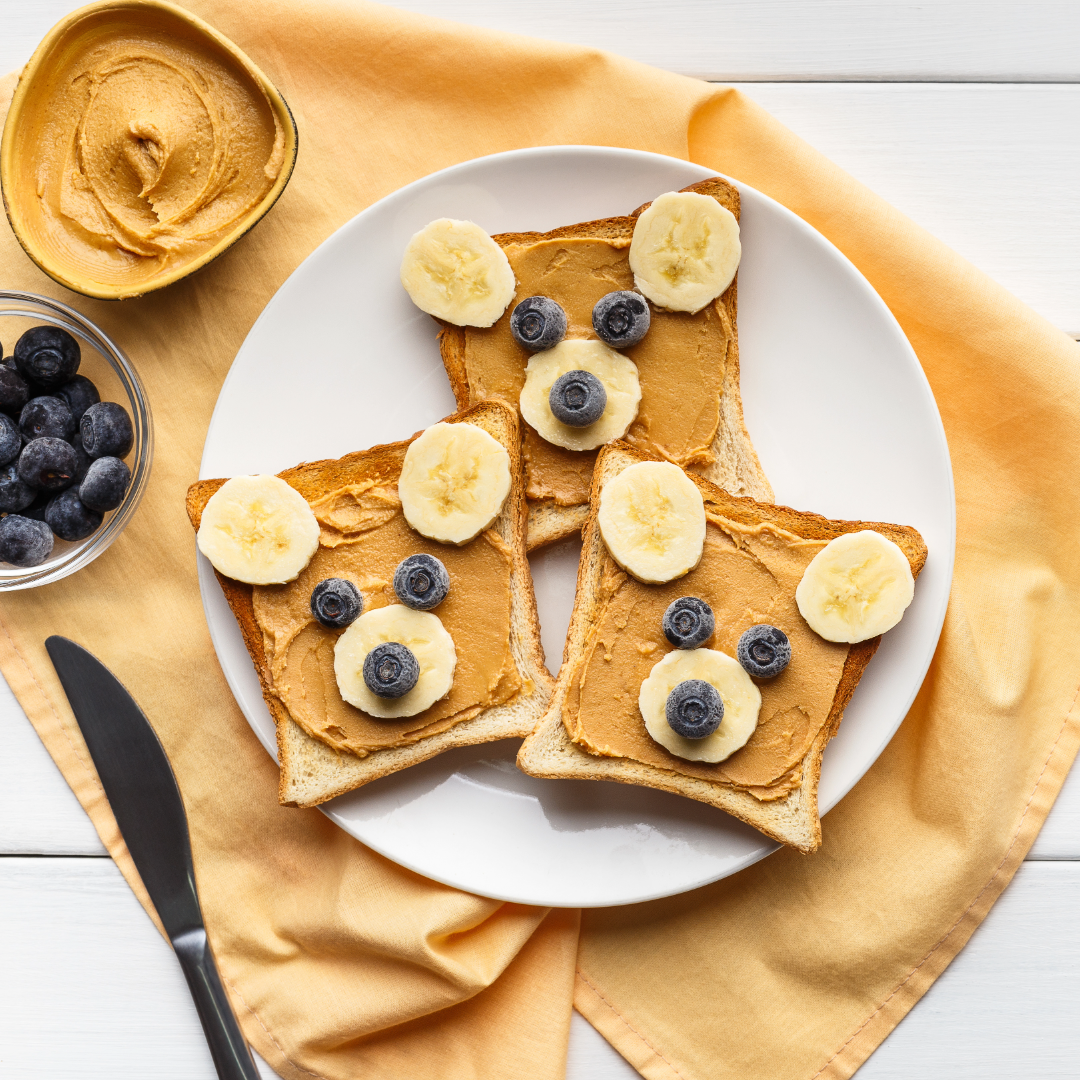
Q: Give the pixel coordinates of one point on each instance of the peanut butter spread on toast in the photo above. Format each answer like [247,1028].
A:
[363,537]
[748,575]
[681,362]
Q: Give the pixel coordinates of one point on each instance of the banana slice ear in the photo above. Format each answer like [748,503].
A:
[258,530]
[454,482]
[685,250]
[456,272]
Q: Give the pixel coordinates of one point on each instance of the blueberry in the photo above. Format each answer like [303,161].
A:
[538,323]
[335,602]
[390,670]
[106,430]
[69,518]
[14,393]
[688,622]
[46,416]
[14,494]
[105,483]
[577,398]
[621,319]
[47,356]
[23,541]
[694,709]
[82,459]
[764,651]
[421,582]
[10,440]
[49,464]
[79,395]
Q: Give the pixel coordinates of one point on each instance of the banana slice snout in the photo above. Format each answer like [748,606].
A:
[652,520]
[741,703]
[454,482]
[259,530]
[685,250]
[858,586]
[418,633]
[617,374]
[456,272]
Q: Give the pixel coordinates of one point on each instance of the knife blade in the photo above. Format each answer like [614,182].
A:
[149,810]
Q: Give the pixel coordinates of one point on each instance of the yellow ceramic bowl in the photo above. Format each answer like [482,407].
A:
[140,144]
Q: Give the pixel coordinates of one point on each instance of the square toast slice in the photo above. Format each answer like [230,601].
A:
[313,771]
[791,818]
[728,459]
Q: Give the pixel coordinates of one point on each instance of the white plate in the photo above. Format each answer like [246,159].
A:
[836,404]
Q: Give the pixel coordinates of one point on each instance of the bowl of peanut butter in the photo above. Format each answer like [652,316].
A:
[140,144]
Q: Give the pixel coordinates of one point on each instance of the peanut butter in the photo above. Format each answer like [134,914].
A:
[748,576]
[681,362]
[142,145]
[363,538]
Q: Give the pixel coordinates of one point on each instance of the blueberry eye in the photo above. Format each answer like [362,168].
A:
[694,709]
[421,582]
[688,622]
[336,602]
[764,651]
[577,398]
[621,319]
[538,323]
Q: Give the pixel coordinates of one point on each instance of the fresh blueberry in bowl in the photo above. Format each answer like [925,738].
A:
[78,394]
[49,464]
[47,416]
[47,355]
[15,496]
[23,541]
[104,484]
[106,431]
[69,518]
[11,442]
[14,391]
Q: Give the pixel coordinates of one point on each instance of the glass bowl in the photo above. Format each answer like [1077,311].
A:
[106,366]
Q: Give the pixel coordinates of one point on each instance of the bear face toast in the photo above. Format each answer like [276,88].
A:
[455,614]
[687,365]
[628,706]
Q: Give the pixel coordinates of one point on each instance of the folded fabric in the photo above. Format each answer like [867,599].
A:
[342,964]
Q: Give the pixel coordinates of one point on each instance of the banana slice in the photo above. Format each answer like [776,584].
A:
[685,250]
[419,631]
[652,519]
[858,586]
[454,482]
[617,372]
[456,272]
[741,698]
[259,530]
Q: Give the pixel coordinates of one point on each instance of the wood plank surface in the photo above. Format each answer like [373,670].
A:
[947,40]
[91,990]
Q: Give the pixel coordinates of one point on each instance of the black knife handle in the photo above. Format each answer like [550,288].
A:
[230,1052]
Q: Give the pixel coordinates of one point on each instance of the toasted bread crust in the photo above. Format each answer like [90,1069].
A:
[735,465]
[311,771]
[549,752]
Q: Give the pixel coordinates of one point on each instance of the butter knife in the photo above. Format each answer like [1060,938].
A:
[142,792]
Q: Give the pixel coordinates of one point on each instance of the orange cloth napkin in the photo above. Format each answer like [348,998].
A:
[342,964]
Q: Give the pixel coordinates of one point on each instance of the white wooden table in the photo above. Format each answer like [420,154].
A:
[941,108]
